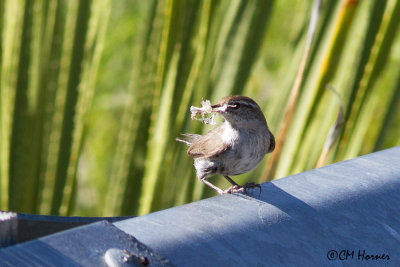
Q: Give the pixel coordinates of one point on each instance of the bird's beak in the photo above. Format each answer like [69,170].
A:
[217,108]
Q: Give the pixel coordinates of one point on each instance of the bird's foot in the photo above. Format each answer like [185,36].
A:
[234,189]
[242,189]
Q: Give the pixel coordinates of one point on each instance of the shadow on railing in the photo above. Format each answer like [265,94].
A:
[20,227]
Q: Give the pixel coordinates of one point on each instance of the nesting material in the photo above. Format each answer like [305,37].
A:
[204,111]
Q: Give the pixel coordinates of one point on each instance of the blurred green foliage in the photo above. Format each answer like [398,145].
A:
[93,93]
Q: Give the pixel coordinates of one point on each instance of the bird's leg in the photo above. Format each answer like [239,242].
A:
[237,188]
[207,183]
[230,180]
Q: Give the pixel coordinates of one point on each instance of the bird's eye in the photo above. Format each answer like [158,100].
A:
[236,106]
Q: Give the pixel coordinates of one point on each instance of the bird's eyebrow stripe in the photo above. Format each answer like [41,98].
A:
[244,103]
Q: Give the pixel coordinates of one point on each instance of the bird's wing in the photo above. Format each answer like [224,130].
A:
[208,145]
[188,138]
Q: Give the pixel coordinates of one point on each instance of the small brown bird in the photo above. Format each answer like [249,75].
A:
[235,147]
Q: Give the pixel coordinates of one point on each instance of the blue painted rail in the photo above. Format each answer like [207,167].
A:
[346,213]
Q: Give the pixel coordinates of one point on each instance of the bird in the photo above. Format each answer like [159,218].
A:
[234,147]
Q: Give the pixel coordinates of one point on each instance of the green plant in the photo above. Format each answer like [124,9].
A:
[93,93]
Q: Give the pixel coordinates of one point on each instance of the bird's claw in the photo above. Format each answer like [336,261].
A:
[242,189]
[234,189]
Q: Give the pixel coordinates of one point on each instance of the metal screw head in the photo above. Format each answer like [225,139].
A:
[117,258]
